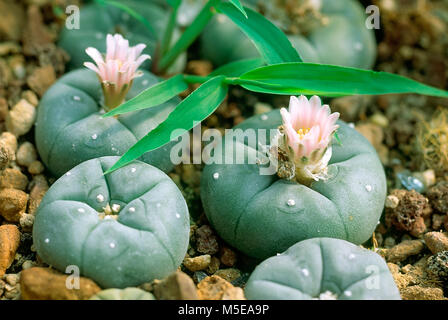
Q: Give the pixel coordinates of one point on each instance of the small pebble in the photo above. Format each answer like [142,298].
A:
[197,263]
[26,154]
[229,274]
[436,241]
[21,118]
[36,167]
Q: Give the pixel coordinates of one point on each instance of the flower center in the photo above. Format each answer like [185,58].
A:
[302,132]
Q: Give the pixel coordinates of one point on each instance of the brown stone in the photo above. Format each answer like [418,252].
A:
[438,221]
[41,79]
[12,17]
[197,263]
[404,250]
[39,186]
[422,293]
[216,288]
[438,196]
[214,265]
[47,284]
[177,286]
[436,241]
[228,256]
[199,67]
[3,109]
[13,178]
[9,242]
[36,34]
[206,241]
[229,274]
[408,212]
[12,204]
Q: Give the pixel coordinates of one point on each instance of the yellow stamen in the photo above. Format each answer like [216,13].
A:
[302,132]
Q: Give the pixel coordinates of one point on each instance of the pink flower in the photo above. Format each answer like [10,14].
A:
[304,140]
[117,69]
[309,126]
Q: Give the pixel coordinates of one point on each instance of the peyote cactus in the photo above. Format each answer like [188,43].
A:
[123,294]
[323,268]
[122,229]
[70,128]
[262,215]
[97,21]
[336,35]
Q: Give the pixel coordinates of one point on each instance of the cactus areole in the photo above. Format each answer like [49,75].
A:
[334,190]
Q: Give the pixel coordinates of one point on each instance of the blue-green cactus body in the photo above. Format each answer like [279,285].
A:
[344,41]
[147,241]
[70,128]
[262,215]
[97,21]
[323,268]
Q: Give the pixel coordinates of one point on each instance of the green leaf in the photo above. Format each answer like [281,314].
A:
[189,35]
[237,68]
[153,96]
[270,41]
[196,107]
[130,11]
[238,5]
[174,3]
[330,81]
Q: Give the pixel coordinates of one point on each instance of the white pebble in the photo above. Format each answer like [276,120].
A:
[132,209]
[100,198]
[368,188]
[291,202]
[21,118]
[216,175]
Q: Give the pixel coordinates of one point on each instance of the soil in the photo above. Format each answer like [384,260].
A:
[408,131]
